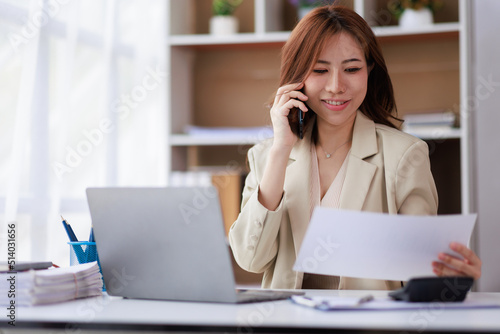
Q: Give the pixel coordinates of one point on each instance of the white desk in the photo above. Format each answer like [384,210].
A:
[105,313]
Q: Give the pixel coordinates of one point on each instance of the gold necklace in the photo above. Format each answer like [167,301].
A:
[329,155]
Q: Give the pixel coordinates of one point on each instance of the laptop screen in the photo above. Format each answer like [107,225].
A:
[162,243]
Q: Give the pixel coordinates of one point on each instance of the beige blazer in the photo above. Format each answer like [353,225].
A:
[388,171]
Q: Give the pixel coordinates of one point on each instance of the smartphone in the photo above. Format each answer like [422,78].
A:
[301,120]
[301,124]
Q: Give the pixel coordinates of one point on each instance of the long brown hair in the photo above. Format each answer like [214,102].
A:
[307,40]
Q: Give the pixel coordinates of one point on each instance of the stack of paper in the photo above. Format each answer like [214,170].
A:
[431,124]
[260,132]
[50,285]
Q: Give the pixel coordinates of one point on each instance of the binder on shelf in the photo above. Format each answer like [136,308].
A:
[229,188]
[228,184]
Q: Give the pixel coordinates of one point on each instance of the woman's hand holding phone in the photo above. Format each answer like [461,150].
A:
[288,97]
[271,185]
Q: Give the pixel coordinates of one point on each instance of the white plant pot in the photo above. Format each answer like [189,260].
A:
[412,18]
[223,25]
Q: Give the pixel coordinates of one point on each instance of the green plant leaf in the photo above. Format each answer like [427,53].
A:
[225,7]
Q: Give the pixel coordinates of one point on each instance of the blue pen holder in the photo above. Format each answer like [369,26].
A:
[83,252]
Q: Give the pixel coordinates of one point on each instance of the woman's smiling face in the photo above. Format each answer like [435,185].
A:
[337,85]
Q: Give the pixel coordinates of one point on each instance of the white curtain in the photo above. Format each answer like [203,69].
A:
[82,91]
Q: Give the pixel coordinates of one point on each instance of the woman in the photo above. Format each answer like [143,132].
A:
[351,156]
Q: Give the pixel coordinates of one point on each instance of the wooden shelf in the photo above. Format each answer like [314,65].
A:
[197,140]
[251,39]
[438,30]
[226,81]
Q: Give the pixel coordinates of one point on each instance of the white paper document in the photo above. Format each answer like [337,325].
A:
[353,304]
[378,246]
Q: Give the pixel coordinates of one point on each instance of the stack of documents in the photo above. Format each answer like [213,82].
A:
[260,132]
[431,123]
[47,286]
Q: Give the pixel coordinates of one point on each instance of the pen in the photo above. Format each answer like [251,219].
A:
[364,299]
[91,237]
[79,252]
[304,300]
[69,230]
[91,252]
[335,303]
[311,302]
[66,228]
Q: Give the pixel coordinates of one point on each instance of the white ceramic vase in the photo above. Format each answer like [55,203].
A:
[412,18]
[223,25]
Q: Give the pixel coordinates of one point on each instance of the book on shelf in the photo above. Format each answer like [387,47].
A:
[46,286]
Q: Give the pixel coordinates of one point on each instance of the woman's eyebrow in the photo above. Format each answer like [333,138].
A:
[350,60]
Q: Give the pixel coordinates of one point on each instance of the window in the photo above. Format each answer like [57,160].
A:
[83,86]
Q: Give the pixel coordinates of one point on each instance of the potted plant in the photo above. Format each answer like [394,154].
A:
[305,6]
[414,13]
[223,22]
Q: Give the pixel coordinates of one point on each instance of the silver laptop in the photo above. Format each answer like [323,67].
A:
[166,243]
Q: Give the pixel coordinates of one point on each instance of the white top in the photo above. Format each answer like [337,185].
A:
[331,199]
